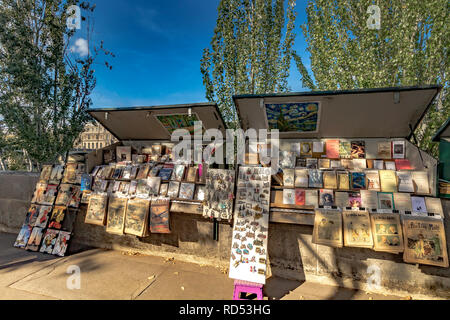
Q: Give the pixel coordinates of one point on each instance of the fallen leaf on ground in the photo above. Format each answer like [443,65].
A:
[176,273]
[151,277]
[182,288]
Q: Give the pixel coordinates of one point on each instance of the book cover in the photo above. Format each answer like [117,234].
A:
[56,175]
[301,178]
[305,149]
[345,150]
[332,147]
[315,178]
[358,180]
[143,172]
[326,197]
[328,228]
[388,180]
[335,164]
[342,199]
[159,215]
[373,180]
[358,149]
[300,197]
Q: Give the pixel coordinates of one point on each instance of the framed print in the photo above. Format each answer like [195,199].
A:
[70,174]
[96,211]
[328,228]
[357,229]
[115,222]
[293,117]
[326,197]
[219,194]
[159,215]
[173,190]
[23,236]
[43,216]
[57,217]
[425,242]
[61,244]
[387,232]
[385,200]
[123,153]
[187,191]
[49,241]
[301,178]
[34,241]
[136,217]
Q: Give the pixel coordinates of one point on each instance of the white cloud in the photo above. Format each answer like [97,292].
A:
[81,47]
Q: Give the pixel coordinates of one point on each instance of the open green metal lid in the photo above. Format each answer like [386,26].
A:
[370,113]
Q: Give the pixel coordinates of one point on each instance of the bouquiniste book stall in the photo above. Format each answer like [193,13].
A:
[443,137]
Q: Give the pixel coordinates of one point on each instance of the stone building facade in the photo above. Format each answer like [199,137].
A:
[94,137]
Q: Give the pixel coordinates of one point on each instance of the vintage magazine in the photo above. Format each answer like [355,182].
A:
[163,189]
[342,199]
[288,178]
[359,164]
[248,260]
[301,178]
[69,220]
[219,194]
[312,198]
[70,174]
[57,217]
[300,197]
[384,150]
[46,172]
[39,192]
[378,164]
[153,185]
[329,180]
[186,191]
[358,149]
[358,180]
[326,197]
[143,172]
[324,163]
[159,215]
[173,190]
[200,193]
[64,195]
[24,235]
[405,182]
[96,211]
[387,232]
[355,199]
[305,149]
[357,229]
[420,181]
[287,159]
[49,196]
[373,180]
[369,199]
[136,218]
[43,216]
[345,150]
[35,239]
[191,174]
[328,228]
[332,147]
[319,150]
[425,241]
[398,150]
[61,244]
[178,172]
[32,215]
[418,205]
[343,180]
[49,240]
[289,196]
[388,180]
[56,175]
[385,201]
[115,221]
[312,163]
[315,178]
[402,201]
[434,205]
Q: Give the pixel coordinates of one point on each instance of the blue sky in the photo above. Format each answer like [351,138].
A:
[158,47]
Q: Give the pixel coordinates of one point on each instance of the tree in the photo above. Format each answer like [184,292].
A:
[248,53]
[46,87]
[410,48]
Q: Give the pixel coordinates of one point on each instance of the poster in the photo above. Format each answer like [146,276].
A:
[387,232]
[49,240]
[43,216]
[251,224]
[357,229]
[61,244]
[57,217]
[136,217]
[219,194]
[172,122]
[328,228]
[293,117]
[159,215]
[115,221]
[425,242]
[24,235]
[35,239]
[96,210]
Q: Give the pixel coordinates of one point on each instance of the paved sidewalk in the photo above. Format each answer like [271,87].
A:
[115,275]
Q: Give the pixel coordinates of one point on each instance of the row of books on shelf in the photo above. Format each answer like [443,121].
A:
[350,164]
[151,186]
[155,153]
[68,173]
[421,239]
[403,202]
[376,180]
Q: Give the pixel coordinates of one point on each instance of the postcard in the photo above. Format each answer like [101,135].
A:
[341,199]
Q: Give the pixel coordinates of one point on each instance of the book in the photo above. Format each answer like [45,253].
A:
[328,228]
[358,180]
[398,149]
[191,174]
[288,178]
[369,199]
[359,164]
[403,164]
[373,180]
[300,197]
[420,182]
[311,198]
[387,232]
[330,180]
[341,199]
[165,173]
[315,178]
[305,149]
[326,197]
[332,149]
[418,205]
[385,200]
[354,199]
[384,150]
[186,191]
[318,149]
[301,178]
[388,180]
[402,201]
[174,187]
[178,172]
[312,163]
[357,229]
[434,205]
[288,196]
[378,164]
[153,185]
[425,242]
[405,182]
[345,150]
[343,178]
[324,163]
[358,149]
[390,165]
[347,164]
